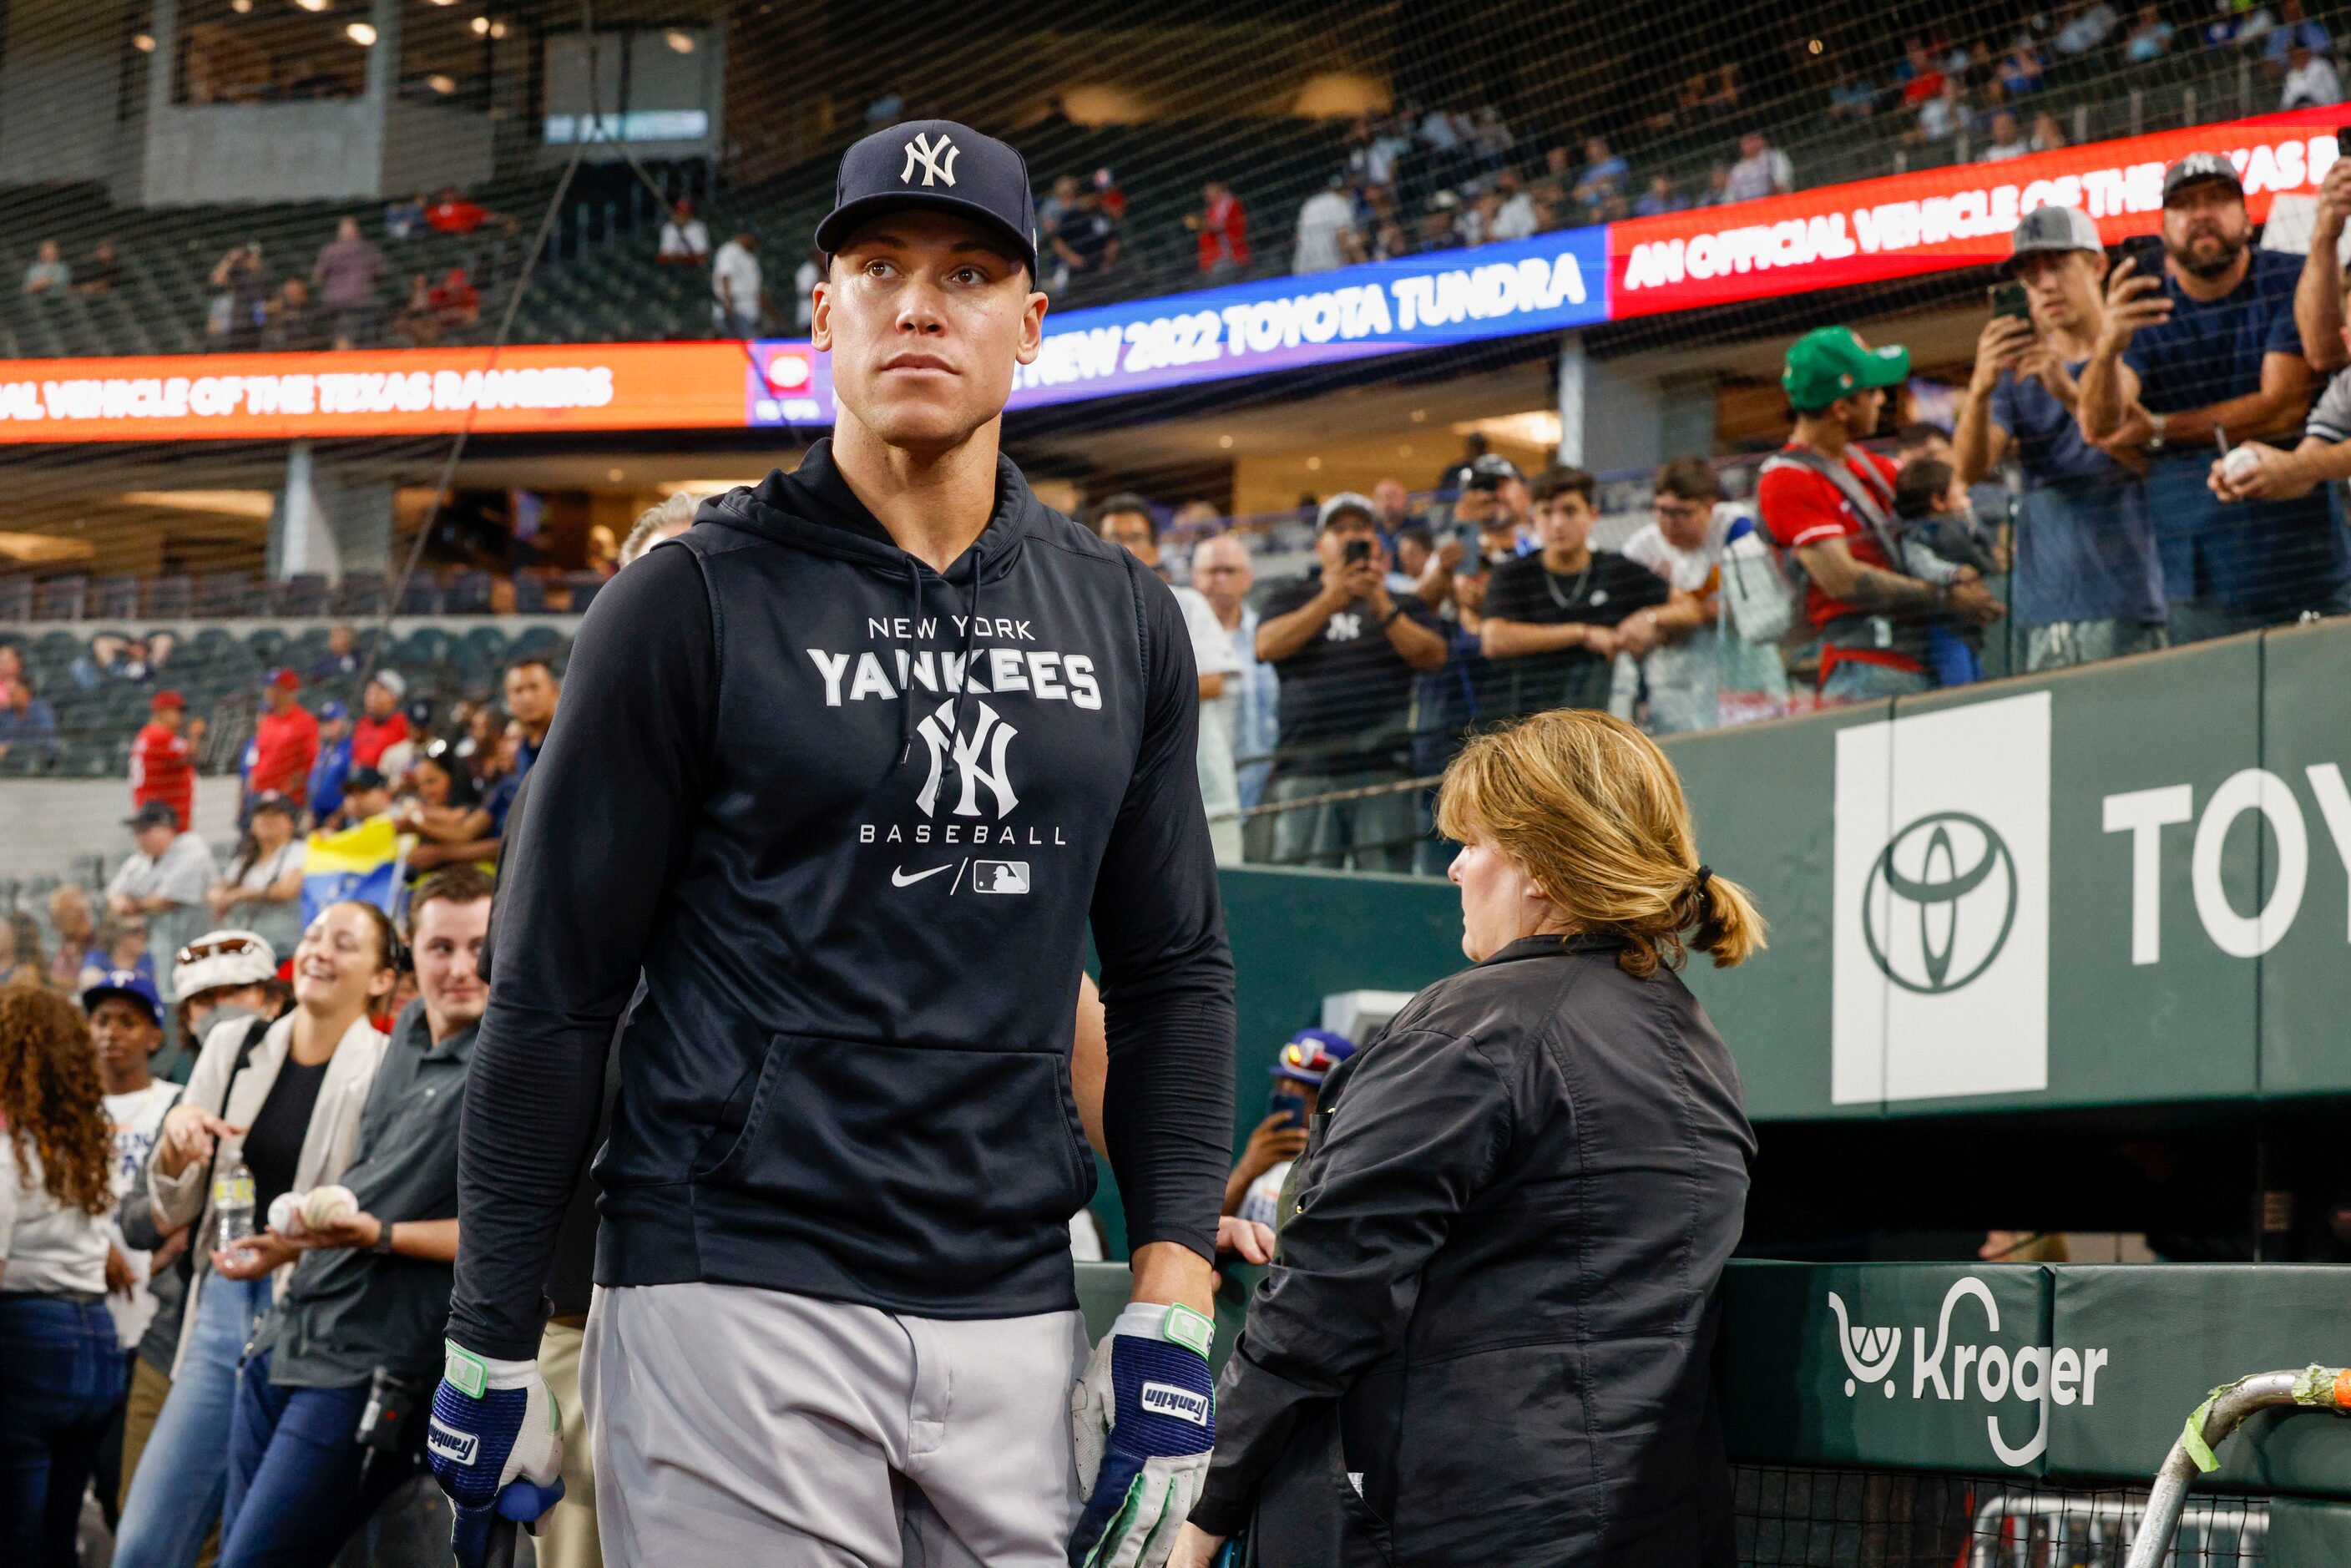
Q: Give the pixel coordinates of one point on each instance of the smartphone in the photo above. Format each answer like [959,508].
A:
[2145,252]
[2007,299]
[1358,551]
[1291,1108]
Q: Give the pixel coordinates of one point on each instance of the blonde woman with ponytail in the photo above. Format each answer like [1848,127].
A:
[1487,1334]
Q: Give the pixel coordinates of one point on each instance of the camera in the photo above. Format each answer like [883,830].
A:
[1358,551]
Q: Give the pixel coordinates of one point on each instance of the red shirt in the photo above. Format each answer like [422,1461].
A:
[285,745]
[1801,508]
[462,217]
[1224,233]
[1922,87]
[371,738]
[161,769]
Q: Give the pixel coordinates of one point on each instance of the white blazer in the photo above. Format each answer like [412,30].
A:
[326,1144]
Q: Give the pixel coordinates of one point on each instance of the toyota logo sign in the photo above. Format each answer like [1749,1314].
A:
[1940,902]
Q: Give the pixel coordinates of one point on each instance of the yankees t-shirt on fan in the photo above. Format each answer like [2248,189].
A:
[137,1118]
[852,819]
[1607,590]
[1347,693]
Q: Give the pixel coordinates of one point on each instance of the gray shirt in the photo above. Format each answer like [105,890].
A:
[346,1311]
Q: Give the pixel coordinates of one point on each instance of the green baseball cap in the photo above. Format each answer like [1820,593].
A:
[1832,362]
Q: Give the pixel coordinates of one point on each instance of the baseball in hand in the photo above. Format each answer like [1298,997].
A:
[326,1206]
[286,1214]
[2240,461]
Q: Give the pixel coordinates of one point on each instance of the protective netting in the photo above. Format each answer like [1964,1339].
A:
[1316,247]
[1813,1518]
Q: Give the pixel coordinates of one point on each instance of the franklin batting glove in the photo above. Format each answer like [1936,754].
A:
[1145,1417]
[495,1443]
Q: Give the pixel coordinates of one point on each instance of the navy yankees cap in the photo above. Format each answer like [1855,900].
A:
[938,164]
[2200,166]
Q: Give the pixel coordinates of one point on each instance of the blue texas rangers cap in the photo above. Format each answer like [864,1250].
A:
[938,164]
[126,983]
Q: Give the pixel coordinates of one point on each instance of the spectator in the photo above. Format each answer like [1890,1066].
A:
[1220,569]
[2047,134]
[47,271]
[381,724]
[1942,116]
[347,272]
[367,794]
[162,763]
[225,977]
[455,303]
[292,323]
[1934,527]
[165,878]
[440,811]
[333,764]
[21,961]
[77,934]
[1440,225]
[29,727]
[654,524]
[2020,70]
[1298,1075]
[1127,520]
[285,740]
[1919,74]
[62,1375]
[122,945]
[1059,201]
[102,272]
[2005,140]
[126,1030]
[2213,343]
[1660,197]
[262,891]
[2086,583]
[1829,501]
[1113,195]
[684,238]
[1554,621]
[737,295]
[418,324]
[340,661]
[1852,100]
[285,1102]
[1346,651]
[1762,170]
[1602,171]
[1085,242]
[405,220]
[531,690]
[2083,28]
[1223,231]
[241,309]
[368,1294]
[2150,38]
[452,213]
[1515,216]
[2294,29]
[1322,219]
[1685,673]
[2310,80]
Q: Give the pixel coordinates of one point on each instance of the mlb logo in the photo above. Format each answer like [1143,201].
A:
[999,876]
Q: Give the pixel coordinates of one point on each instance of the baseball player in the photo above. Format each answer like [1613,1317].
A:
[845,773]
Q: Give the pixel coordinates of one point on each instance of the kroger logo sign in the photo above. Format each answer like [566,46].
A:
[1955,1366]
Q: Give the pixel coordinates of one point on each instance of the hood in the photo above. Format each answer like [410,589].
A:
[812,508]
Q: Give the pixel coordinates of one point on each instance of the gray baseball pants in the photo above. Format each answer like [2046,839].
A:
[736,1427]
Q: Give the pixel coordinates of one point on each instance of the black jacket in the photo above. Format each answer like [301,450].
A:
[1499,1286]
[850,820]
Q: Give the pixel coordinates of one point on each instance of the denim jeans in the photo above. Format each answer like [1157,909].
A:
[2196,621]
[1853,681]
[1376,832]
[60,1375]
[296,1492]
[184,1471]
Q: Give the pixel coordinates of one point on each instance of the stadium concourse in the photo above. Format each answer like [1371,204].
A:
[1931,426]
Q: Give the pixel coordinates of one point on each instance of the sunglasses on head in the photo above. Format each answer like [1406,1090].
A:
[1308,1056]
[226,946]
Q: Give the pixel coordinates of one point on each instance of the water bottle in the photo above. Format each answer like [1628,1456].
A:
[233,1205]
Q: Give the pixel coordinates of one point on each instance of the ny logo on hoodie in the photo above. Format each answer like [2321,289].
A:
[987,741]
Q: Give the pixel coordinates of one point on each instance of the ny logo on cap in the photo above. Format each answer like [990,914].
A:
[937,160]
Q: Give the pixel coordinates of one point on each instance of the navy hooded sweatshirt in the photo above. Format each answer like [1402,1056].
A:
[849,820]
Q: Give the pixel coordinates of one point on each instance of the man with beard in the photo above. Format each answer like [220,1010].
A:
[2214,345]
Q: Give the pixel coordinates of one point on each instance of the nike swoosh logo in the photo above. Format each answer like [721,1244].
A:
[898,877]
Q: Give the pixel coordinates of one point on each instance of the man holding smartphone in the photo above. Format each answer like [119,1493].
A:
[2221,337]
[2086,584]
[1346,650]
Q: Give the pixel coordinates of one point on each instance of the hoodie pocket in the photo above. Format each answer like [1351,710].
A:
[936,1138]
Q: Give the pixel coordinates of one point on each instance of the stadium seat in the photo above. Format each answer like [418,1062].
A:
[302,595]
[421,594]
[226,594]
[114,595]
[359,593]
[61,598]
[15,598]
[467,593]
[172,597]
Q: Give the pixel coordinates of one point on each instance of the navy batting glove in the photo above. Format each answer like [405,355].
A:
[1145,1417]
[496,1445]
